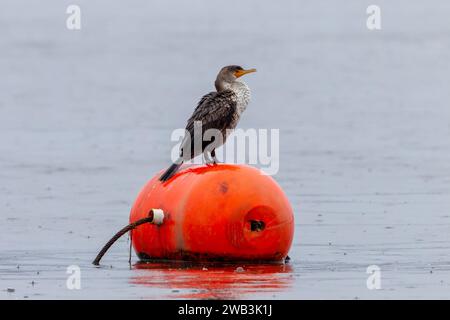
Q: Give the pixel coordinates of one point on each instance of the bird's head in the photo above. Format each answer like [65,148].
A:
[227,75]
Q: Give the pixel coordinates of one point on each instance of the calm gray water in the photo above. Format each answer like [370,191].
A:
[364,119]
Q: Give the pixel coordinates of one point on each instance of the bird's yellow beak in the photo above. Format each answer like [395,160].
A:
[240,73]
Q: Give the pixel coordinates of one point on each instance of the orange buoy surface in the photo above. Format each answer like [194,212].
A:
[221,212]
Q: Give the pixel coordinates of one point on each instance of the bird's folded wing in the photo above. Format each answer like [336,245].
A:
[216,110]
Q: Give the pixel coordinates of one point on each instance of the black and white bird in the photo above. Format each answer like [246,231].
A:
[220,110]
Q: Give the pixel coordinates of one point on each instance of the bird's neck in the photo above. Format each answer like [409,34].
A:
[241,90]
[222,85]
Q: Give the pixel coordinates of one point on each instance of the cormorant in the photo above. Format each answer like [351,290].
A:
[219,110]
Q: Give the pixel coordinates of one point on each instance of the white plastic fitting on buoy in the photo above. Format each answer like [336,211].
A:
[158,216]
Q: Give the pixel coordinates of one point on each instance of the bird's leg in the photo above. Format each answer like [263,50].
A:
[213,154]
[208,159]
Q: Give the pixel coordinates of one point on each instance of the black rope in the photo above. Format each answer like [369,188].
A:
[124,230]
[131,247]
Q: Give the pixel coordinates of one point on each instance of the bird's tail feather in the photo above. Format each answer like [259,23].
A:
[170,172]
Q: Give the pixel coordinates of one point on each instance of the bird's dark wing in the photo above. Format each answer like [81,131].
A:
[215,110]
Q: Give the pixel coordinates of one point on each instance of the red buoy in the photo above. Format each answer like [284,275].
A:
[221,212]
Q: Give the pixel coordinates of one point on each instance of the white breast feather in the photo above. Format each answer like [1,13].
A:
[242,92]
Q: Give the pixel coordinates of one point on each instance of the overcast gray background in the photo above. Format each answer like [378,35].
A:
[364,119]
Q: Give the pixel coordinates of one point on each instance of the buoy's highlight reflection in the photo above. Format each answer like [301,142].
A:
[214,281]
